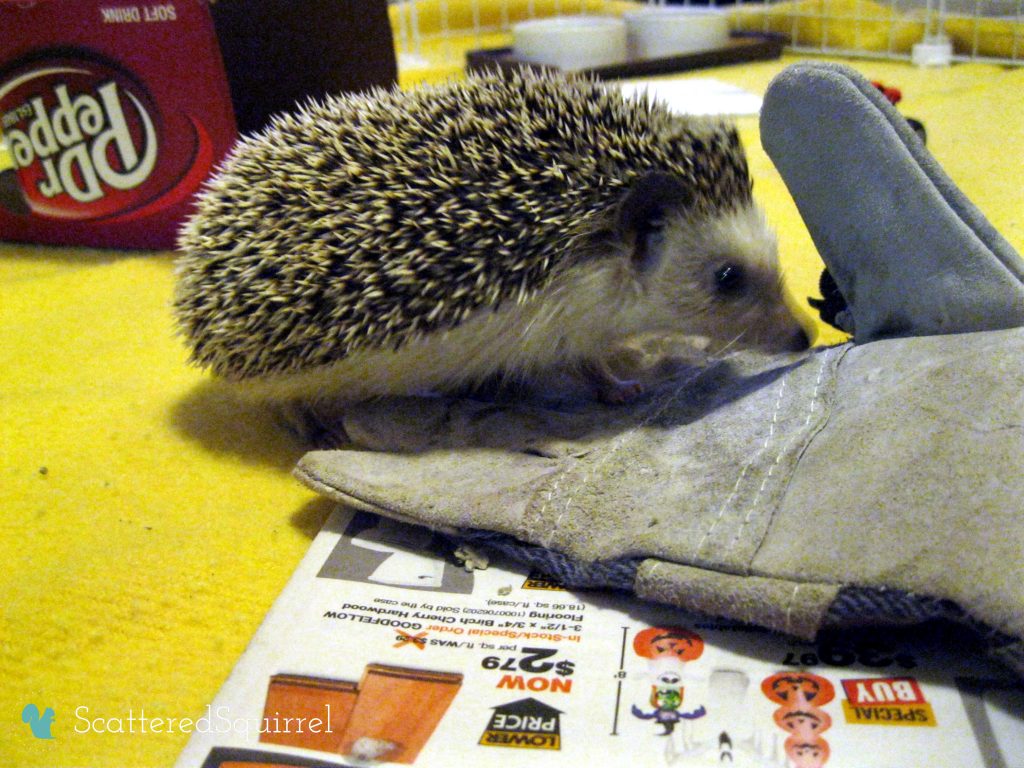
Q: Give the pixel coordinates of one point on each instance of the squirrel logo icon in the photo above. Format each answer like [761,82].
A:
[40,724]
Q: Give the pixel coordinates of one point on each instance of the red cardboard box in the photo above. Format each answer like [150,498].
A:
[114,112]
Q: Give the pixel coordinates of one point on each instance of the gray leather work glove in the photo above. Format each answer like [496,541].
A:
[874,482]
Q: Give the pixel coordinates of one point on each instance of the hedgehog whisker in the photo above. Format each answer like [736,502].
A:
[735,340]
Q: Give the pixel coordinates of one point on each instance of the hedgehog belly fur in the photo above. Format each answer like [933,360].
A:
[573,320]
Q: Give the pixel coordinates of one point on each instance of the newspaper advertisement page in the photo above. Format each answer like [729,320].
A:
[384,650]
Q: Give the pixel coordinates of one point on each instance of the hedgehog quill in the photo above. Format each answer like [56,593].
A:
[399,242]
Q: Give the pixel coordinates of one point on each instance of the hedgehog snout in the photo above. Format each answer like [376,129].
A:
[779,331]
[799,341]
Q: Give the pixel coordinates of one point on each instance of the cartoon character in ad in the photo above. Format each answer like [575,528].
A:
[668,649]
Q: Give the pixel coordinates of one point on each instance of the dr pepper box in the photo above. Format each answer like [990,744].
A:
[114,113]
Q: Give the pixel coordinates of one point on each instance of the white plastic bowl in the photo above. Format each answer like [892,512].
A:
[571,42]
[657,33]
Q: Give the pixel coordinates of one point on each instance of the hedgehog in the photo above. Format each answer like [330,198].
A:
[498,227]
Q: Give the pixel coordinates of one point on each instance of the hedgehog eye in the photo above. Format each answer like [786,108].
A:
[730,279]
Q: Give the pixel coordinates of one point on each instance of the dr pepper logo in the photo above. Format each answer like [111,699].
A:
[86,142]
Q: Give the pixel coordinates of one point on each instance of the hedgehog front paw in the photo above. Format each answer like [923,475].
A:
[608,387]
[621,392]
[309,425]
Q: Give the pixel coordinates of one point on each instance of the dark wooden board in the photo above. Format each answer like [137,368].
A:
[741,47]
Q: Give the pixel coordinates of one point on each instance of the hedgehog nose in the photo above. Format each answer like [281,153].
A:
[799,341]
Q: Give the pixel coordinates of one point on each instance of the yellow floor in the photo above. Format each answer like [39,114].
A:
[148,521]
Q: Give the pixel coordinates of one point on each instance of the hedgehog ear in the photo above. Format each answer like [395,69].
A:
[640,218]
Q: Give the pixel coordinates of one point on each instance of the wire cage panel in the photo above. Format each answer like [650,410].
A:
[439,32]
